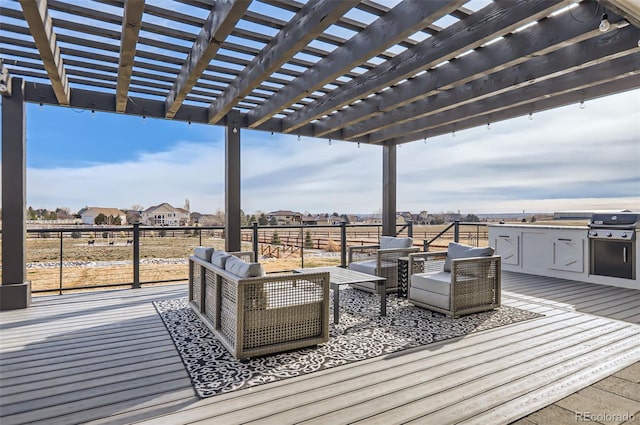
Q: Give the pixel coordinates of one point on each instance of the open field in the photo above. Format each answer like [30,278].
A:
[164,258]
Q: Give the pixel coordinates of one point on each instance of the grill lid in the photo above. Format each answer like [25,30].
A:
[615,220]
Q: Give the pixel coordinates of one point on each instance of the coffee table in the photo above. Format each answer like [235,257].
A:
[339,276]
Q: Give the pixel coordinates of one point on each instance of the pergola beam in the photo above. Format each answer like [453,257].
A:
[623,83]
[131,22]
[498,18]
[313,19]
[36,13]
[221,20]
[570,59]
[401,21]
[594,75]
[540,39]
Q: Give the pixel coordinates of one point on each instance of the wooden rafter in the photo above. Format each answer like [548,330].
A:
[571,59]
[402,21]
[131,22]
[590,76]
[40,24]
[573,95]
[312,20]
[497,19]
[221,20]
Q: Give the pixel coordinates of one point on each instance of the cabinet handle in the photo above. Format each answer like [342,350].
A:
[565,239]
[624,254]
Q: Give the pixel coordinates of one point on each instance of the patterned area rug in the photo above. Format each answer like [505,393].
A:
[361,334]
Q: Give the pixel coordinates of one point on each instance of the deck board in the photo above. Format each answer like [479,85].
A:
[106,358]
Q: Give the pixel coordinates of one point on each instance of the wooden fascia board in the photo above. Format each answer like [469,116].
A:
[131,23]
[401,21]
[221,20]
[313,19]
[594,75]
[36,13]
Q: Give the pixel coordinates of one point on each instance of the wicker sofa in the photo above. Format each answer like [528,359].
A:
[461,280]
[380,260]
[263,314]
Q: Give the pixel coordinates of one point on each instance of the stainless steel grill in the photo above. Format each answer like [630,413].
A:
[612,244]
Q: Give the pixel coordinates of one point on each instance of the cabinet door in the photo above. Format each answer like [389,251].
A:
[568,255]
[508,247]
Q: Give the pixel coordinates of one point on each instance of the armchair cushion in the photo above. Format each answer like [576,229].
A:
[387,242]
[457,250]
[368,267]
[203,252]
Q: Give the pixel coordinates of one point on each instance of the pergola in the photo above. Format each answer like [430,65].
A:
[382,73]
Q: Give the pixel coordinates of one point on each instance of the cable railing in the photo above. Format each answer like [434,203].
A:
[77,258]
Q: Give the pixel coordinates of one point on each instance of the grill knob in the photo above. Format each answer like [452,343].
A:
[609,234]
[594,233]
[623,235]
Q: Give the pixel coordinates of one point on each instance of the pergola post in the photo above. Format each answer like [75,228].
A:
[15,291]
[232,183]
[389,189]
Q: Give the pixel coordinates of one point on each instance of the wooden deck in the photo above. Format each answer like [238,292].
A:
[105,357]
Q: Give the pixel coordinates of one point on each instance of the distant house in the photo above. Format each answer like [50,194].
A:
[285,217]
[370,219]
[310,220]
[89,214]
[165,215]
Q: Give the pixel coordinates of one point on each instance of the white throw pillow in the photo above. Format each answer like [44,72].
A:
[387,242]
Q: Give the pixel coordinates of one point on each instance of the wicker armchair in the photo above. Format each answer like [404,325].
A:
[472,285]
[380,260]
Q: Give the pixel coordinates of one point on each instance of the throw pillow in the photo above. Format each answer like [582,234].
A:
[241,268]
[219,258]
[458,250]
[203,252]
[387,242]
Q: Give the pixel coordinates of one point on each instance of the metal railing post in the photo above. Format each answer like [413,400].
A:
[456,231]
[410,228]
[60,288]
[343,244]
[425,245]
[136,255]
[254,228]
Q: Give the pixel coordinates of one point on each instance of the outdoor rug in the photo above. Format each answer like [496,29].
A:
[361,334]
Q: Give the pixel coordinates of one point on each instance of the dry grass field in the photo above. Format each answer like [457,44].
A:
[164,258]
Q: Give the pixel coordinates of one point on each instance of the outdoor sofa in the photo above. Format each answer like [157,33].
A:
[380,260]
[253,314]
[461,280]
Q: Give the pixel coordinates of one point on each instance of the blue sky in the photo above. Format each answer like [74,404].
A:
[566,158]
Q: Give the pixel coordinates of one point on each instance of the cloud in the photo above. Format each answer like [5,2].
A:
[566,158]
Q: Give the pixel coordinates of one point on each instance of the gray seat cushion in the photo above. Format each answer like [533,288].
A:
[241,268]
[431,289]
[203,252]
[219,258]
[368,267]
[458,250]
